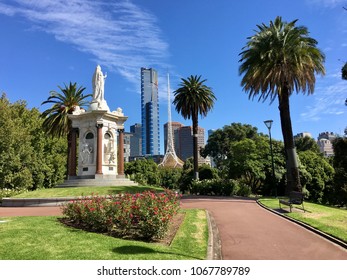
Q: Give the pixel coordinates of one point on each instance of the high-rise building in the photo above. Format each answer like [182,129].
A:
[127,138]
[325,140]
[185,134]
[150,112]
[136,140]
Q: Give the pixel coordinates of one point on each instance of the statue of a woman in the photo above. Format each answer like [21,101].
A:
[98,84]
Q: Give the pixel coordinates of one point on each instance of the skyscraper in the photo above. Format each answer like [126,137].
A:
[136,140]
[150,112]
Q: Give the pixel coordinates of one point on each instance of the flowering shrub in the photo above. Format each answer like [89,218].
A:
[143,215]
[89,213]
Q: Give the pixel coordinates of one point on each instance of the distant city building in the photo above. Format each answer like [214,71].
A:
[127,139]
[136,140]
[325,140]
[209,132]
[150,112]
[175,128]
[183,140]
[302,135]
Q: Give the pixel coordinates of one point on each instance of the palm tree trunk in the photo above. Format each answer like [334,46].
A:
[293,179]
[195,146]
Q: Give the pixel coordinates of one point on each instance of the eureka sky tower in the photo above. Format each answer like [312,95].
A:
[150,112]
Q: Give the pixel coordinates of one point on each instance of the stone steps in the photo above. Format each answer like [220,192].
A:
[106,182]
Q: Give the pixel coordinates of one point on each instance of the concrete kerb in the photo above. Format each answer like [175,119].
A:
[320,233]
[214,246]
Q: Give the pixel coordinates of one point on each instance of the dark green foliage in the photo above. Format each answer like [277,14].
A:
[207,172]
[306,144]
[344,72]
[241,153]
[169,177]
[218,143]
[220,187]
[144,171]
[340,179]
[28,159]
[317,174]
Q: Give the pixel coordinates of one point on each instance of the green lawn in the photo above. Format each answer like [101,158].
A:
[45,238]
[84,191]
[330,220]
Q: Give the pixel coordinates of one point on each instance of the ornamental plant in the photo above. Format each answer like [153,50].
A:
[144,215]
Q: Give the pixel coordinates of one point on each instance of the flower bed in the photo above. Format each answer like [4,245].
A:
[144,215]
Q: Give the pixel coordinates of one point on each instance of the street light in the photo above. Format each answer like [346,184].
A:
[268,124]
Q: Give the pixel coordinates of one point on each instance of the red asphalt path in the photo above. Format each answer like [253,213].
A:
[247,231]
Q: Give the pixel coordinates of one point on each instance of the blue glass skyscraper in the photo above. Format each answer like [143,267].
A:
[150,112]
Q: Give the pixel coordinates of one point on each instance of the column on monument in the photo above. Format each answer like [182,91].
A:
[73,152]
[121,152]
[99,149]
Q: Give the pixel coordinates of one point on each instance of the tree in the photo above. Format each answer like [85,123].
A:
[28,158]
[192,99]
[306,144]
[218,143]
[279,59]
[143,171]
[344,76]
[320,172]
[241,153]
[340,166]
[56,121]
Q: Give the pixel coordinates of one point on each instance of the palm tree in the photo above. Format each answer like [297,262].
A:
[344,76]
[56,121]
[279,59]
[192,99]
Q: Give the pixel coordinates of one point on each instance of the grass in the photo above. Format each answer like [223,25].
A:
[45,238]
[330,220]
[84,191]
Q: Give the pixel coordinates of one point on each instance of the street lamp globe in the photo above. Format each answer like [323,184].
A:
[268,123]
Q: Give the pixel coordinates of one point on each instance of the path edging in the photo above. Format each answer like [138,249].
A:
[214,245]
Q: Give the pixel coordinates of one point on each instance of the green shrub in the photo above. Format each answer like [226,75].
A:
[214,187]
[243,190]
[169,178]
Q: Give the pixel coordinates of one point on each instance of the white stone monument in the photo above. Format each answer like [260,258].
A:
[100,136]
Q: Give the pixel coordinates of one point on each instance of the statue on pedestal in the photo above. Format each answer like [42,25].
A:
[98,84]
[98,81]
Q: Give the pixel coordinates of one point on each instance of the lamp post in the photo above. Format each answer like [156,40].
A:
[268,124]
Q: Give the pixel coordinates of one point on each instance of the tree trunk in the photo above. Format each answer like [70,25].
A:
[195,146]
[68,159]
[293,179]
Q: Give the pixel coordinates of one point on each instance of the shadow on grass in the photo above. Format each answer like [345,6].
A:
[132,189]
[137,250]
[287,211]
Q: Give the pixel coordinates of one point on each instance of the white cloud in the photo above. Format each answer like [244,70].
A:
[327,3]
[120,35]
[328,100]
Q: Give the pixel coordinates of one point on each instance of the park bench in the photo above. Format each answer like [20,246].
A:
[295,198]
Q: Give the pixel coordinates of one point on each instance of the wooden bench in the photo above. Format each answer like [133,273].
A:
[295,198]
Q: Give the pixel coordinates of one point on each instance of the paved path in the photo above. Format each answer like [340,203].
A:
[247,231]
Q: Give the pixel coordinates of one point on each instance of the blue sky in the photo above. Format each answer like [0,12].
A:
[46,43]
